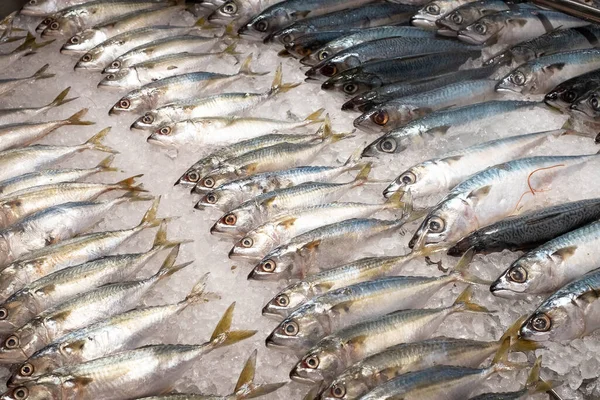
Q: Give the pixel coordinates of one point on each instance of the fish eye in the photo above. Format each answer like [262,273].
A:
[147,119]
[32,2]
[124,104]
[261,25]
[323,55]
[47,21]
[165,130]
[518,78]
[211,198]
[12,342]
[26,369]
[192,176]
[282,300]
[247,242]
[230,219]
[338,391]
[287,38]
[268,266]
[350,88]
[86,58]
[208,182]
[408,178]
[594,103]
[517,274]
[116,64]
[541,323]
[20,393]
[457,18]
[432,9]
[381,117]
[291,328]
[329,70]
[230,8]
[436,224]
[569,96]
[311,362]
[480,28]
[389,145]
[74,40]
[3,313]
[54,26]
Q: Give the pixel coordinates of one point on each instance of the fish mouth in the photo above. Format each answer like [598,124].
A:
[506,89]
[468,39]
[307,60]
[422,22]
[389,192]
[236,254]
[70,50]
[156,142]
[267,312]
[370,151]
[296,377]
[447,32]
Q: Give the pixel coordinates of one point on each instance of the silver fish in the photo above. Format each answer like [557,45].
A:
[11,115]
[6,85]
[23,134]
[433,11]
[108,336]
[41,8]
[17,162]
[81,311]
[163,364]
[234,13]
[296,257]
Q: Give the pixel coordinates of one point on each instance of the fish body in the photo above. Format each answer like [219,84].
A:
[41,8]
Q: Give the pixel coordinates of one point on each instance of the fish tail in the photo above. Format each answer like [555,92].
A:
[327,133]
[500,361]
[315,117]
[535,384]
[461,269]
[395,201]
[245,388]
[41,73]
[517,343]
[129,184]
[168,266]
[278,86]
[198,294]
[61,99]
[75,119]
[246,70]
[354,161]
[363,176]
[149,219]
[106,164]
[223,336]
[465,302]
[27,44]
[161,241]
[95,142]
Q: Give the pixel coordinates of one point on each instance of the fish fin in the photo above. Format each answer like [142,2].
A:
[462,266]
[200,23]
[278,86]
[61,316]
[327,133]
[41,73]
[168,266]
[465,301]
[501,355]
[129,184]
[440,130]
[246,70]
[517,21]
[342,306]
[395,201]
[160,239]
[517,343]
[480,193]
[363,175]
[95,142]
[230,50]
[251,168]
[301,14]
[556,67]
[75,119]
[453,159]
[589,296]
[565,252]
[315,117]
[311,246]
[288,222]
[198,294]
[149,219]
[535,384]
[79,383]
[73,347]
[27,44]
[105,164]
[61,99]
[354,161]
[222,336]
[245,388]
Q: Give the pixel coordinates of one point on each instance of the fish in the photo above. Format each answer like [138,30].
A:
[585,37]
[23,134]
[80,17]
[245,387]
[48,176]
[347,41]
[272,158]
[27,48]
[484,199]
[164,363]
[135,46]
[440,122]
[7,85]
[282,14]
[15,162]
[211,106]
[305,45]
[299,255]
[256,211]
[230,195]
[363,16]
[380,49]
[214,131]
[259,241]
[530,230]
[351,305]
[89,38]
[82,310]
[65,284]
[78,250]
[571,91]
[378,368]
[16,206]
[234,13]
[427,16]
[567,314]
[164,91]
[367,100]
[380,73]
[164,44]
[510,27]
[10,115]
[215,159]
[42,8]
[436,176]
[543,74]
[107,336]
[400,111]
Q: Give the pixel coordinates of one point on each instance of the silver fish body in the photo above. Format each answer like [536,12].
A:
[41,8]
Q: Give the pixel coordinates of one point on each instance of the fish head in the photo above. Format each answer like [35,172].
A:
[222,199]
[38,8]
[129,103]
[589,105]
[14,347]
[191,177]
[522,79]
[90,61]
[60,27]
[480,32]
[287,300]
[564,95]
[427,16]
[126,78]
[15,311]
[385,117]
[453,22]
[285,35]
[265,23]
[253,246]
[352,82]
[114,66]
[351,384]
[331,67]
[83,41]
[234,223]
[47,387]
[363,102]
[41,27]
[214,179]
[562,321]
[42,363]
[527,275]
[314,58]
[151,120]
[421,180]
[168,135]
[318,364]
[278,264]
[388,143]
[297,332]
